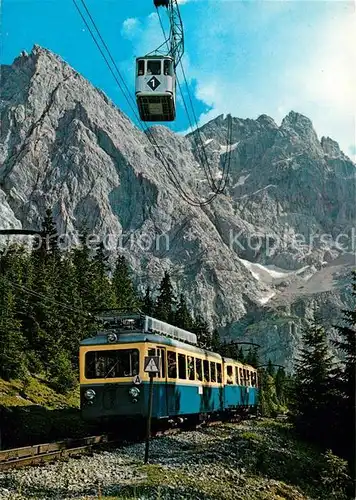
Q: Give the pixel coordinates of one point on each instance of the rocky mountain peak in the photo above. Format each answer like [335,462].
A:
[299,126]
[331,147]
[267,121]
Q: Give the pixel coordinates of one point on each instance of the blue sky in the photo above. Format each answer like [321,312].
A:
[242,57]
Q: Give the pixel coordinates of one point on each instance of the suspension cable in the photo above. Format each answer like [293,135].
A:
[148,132]
[206,166]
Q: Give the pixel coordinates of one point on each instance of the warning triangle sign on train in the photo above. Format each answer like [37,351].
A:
[152,364]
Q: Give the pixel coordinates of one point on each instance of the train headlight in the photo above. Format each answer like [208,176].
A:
[134,392]
[89,394]
[112,337]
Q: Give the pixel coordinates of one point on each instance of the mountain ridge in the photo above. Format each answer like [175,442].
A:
[64,144]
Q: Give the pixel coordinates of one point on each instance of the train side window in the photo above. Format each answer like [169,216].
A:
[241,377]
[206,371]
[161,354]
[253,379]
[172,364]
[248,378]
[182,366]
[190,366]
[244,377]
[218,366]
[199,369]
[213,371]
[230,375]
[237,375]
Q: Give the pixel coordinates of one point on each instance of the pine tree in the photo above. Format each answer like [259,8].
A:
[314,385]
[268,398]
[201,328]
[164,307]
[49,237]
[280,382]
[347,386]
[240,355]
[216,341]
[182,317]
[252,357]
[12,343]
[75,319]
[147,306]
[102,286]
[126,297]
[270,368]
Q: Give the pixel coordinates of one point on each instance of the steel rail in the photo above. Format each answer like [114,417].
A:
[35,454]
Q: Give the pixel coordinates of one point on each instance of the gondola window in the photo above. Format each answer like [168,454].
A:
[153,67]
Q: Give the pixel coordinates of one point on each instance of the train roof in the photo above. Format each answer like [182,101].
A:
[131,338]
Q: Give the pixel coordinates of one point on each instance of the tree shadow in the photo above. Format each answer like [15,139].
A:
[33,424]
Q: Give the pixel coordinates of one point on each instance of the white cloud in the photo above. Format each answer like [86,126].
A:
[146,34]
[130,27]
[320,83]
[326,84]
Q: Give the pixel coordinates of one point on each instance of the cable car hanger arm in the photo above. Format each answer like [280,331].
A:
[176,34]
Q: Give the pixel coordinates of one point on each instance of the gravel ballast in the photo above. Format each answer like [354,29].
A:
[227,461]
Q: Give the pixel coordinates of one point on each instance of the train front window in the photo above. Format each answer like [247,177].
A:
[153,67]
[112,363]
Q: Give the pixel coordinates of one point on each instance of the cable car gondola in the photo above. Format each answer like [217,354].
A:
[155,88]
[155,74]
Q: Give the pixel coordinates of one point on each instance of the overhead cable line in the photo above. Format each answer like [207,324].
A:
[206,166]
[148,132]
[43,296]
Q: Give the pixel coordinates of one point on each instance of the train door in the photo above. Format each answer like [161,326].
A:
[161,352]
[160,404]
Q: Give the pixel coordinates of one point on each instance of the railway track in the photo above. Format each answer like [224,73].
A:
[37,454]
[48,452]
[40,453]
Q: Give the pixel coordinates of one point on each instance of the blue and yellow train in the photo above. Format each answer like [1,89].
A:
[192,382]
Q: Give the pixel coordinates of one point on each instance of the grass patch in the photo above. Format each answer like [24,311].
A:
[32,412]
